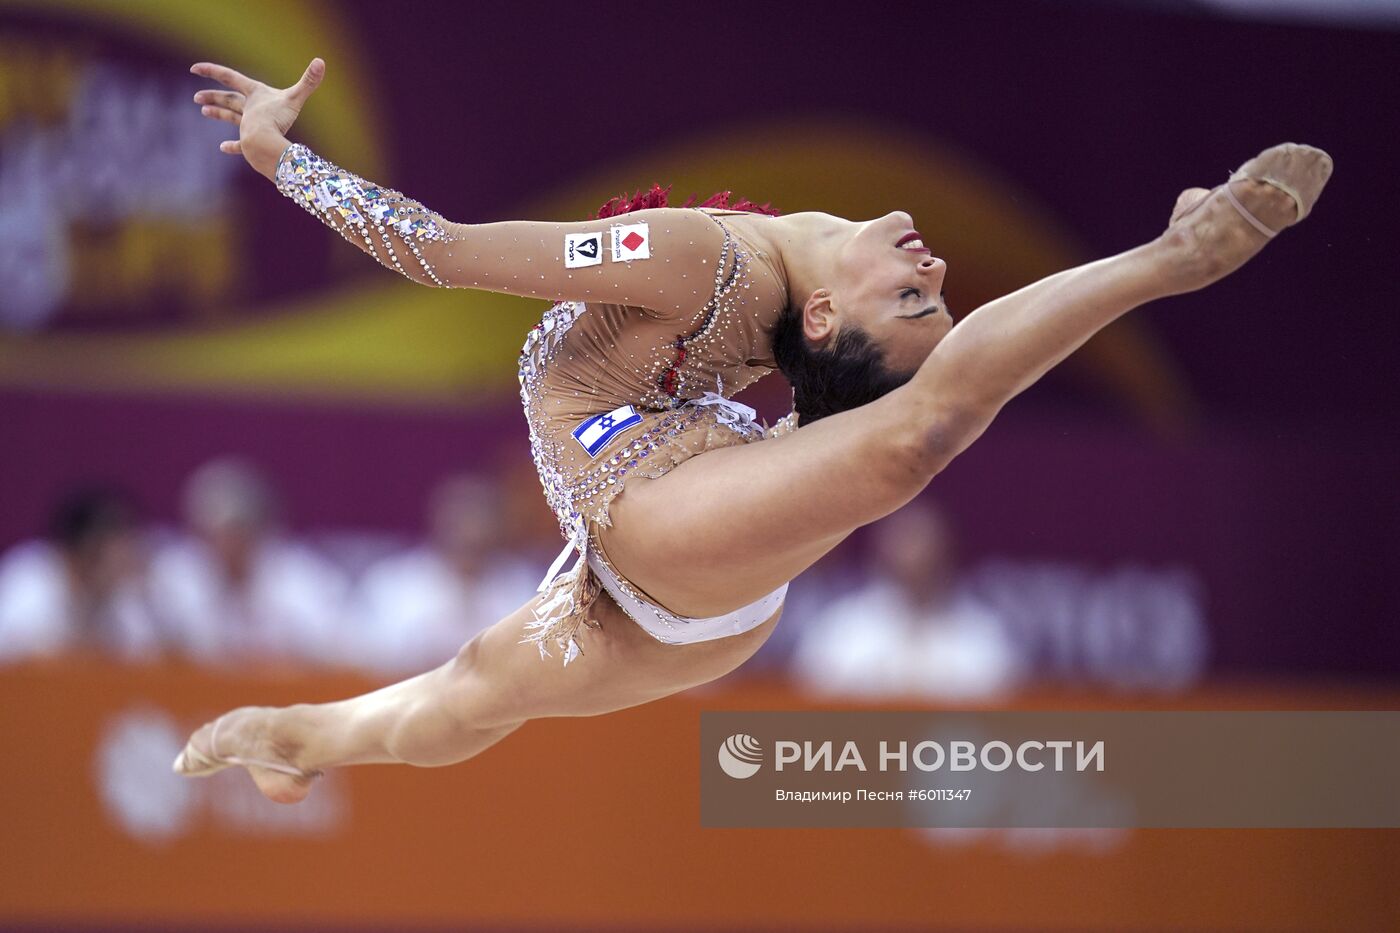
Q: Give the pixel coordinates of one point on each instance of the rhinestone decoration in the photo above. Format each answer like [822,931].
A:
[584,372]
[670,382]
[372,218]
[581,494]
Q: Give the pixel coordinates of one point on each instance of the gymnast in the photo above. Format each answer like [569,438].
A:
[659,315]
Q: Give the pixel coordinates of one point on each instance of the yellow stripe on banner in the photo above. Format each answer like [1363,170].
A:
[392,342]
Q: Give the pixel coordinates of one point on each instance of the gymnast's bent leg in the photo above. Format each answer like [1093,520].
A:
[490,688]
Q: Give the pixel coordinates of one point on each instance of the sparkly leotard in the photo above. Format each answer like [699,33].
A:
[585,359]
[656,377]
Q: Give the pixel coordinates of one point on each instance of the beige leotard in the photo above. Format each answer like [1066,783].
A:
[672,376]
[628,375]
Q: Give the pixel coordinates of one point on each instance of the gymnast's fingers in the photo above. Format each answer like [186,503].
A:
[225,76]
[229,100]
[310,80]
[219,113]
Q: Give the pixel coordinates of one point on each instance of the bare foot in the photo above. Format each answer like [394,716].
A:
[246,737]
[1211,234]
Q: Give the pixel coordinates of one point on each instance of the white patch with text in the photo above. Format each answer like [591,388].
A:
[630,241]
[582,249]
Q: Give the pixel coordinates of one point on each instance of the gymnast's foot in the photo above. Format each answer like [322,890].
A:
[1219,230]
[245,738]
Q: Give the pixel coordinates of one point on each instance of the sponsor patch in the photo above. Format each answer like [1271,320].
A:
[630,241]
[582,249]
[595,433]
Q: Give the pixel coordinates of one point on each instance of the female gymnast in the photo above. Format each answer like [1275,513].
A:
[660,314]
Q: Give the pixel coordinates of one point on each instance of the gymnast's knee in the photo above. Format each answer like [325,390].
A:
[468,657]
[475,693]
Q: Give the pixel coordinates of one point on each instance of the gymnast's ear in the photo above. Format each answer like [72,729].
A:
[819,318]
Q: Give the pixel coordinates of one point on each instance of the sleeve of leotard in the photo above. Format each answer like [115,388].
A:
[664,259]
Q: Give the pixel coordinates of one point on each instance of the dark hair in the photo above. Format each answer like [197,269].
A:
[849,373]
[90,514]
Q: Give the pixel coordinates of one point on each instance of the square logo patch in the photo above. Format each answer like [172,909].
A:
[630,241]
[582,249]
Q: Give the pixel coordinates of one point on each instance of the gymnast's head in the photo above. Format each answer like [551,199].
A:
[877,315]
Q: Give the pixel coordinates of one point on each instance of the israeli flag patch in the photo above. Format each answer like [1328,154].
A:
[595,433]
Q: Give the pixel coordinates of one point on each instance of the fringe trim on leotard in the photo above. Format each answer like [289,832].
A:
[657,196]
[564,609]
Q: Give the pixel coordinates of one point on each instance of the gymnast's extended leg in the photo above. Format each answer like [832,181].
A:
[737,522]
[490,688]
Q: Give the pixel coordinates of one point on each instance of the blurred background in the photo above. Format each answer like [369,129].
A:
[240,463]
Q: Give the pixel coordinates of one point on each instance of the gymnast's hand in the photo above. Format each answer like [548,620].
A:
[262,114]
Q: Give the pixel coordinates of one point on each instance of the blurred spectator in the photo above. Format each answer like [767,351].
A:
[417,608]
[236,590]
[911,629]
[80,589]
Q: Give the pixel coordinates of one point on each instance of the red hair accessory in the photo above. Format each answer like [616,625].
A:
[658,196]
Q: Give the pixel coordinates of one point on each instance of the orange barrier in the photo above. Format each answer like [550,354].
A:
[587,822]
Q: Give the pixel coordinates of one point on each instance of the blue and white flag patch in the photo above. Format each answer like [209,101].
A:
[595,433]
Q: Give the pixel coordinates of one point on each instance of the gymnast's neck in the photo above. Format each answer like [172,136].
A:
[803,245]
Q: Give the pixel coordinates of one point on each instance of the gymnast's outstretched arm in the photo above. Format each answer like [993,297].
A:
[664,260]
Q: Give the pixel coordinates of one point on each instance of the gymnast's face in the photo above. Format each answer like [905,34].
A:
[888,285]
[870,328]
